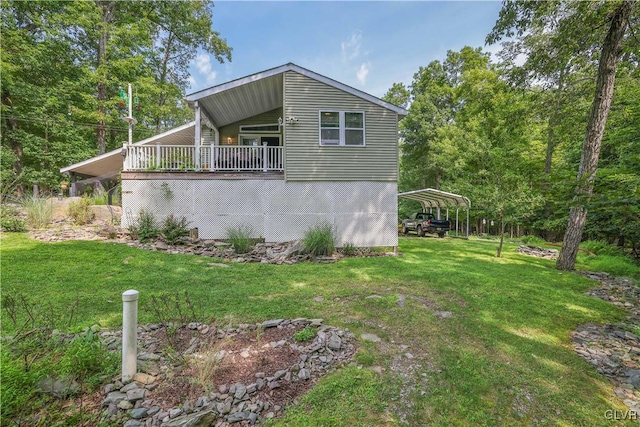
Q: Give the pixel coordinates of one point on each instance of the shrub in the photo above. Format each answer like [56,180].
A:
[145,227]
[320,239]
[100,199]
[86,359]
[600,247]
[240,238]
[349,249]
[39,211]
[10,220]
[305,334]
[80,211]
[532,240]
[174,229]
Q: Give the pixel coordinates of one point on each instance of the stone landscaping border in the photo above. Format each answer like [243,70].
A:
[134,403]
[612,349]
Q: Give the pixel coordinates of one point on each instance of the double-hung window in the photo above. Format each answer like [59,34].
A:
[342,128]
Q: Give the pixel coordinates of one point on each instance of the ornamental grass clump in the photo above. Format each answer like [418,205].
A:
[80,211]
[240,238]
[39,211]
[320,240]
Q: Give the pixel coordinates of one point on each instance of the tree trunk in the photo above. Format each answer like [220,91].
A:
[101,130]
[595,129]
[16,146]
[163,78]
[499,254]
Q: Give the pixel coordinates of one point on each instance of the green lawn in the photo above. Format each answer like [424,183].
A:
[502,357]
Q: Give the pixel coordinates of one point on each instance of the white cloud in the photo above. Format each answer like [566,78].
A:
[362,72]
[351,47]
[203,64]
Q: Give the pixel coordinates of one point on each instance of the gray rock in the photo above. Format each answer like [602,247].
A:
[114,397]
[136,394]
[202,401]
[125,405]
[60,388]
[173,413]
[316,322]
[238,416]
[304,374]
[274,385]
[133,423]
[241,390]
[271,323]
[131,386]
[334,342]
[196,419]
[139,413]
[634,380]
[223,408]
[153,410]
[253,417]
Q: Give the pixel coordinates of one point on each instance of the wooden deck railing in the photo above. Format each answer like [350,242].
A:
[211,158]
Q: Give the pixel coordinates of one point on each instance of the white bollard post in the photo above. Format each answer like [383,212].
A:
[129,334]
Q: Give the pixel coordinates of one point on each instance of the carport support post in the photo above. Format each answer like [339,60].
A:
[129,334]
[457,210]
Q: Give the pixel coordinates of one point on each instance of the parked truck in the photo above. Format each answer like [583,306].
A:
[424,222]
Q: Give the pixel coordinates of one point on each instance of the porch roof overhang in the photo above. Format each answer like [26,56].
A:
[110,164]
[261,92]
[431,198]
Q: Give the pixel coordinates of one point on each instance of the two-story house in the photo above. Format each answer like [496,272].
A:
[278,151]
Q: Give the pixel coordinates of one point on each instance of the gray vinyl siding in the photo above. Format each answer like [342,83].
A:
[232,130]
[306,160]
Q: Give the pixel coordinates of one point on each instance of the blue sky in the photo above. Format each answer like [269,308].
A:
[368,45]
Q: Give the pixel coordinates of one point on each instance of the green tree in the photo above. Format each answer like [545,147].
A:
[577,21]
[64,63]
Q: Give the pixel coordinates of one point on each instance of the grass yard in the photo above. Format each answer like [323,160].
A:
[487,339]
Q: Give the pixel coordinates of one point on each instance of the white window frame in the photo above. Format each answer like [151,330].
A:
[257,136]
[243,128]
[342,128]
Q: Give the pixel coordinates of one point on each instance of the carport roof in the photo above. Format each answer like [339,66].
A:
[431,198]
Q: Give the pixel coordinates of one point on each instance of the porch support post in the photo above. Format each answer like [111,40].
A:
[264,157]
[125,157]
[198,137]
[457,211]
[158,160]
[74,188]
[214,149]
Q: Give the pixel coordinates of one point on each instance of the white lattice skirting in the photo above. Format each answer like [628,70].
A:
[363,213]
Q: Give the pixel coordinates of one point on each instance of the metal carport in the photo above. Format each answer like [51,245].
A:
[431,198]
